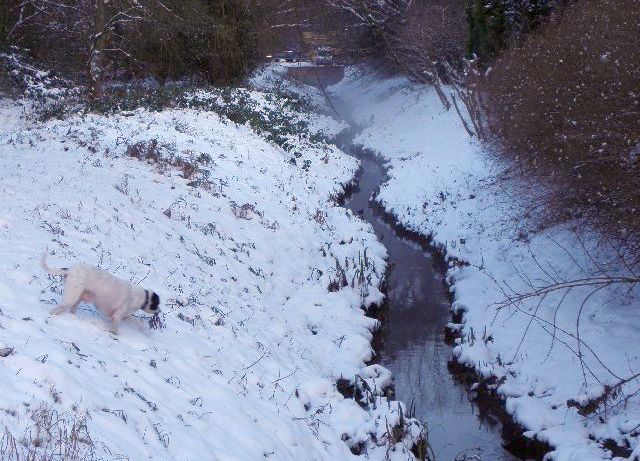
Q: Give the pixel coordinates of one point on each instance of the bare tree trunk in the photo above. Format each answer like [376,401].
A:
[98,43]
[464,121]
[437,84]
[469,97]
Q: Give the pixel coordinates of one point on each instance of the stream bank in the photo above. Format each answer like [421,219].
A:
[412,343]
[445,184]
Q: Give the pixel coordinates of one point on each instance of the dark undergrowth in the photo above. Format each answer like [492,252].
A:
[280,118]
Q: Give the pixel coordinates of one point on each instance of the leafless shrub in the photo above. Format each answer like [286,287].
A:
[421,39]
[157,323]
[320,217]
[123,186]
[145,150]
[464,82]
[244,211]
[190,320]
[565,110]
[187,168]
[429,42]
[340,279]
[362,278]
[423,450]
[51,437]
[149,403]
[152,152]
[549,290]
[163,437]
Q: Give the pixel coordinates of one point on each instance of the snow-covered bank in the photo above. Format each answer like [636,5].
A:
[241,240]
[548,358]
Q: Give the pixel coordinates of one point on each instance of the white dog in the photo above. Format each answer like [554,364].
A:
[114,297]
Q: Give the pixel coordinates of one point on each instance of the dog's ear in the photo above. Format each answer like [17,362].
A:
[155,302]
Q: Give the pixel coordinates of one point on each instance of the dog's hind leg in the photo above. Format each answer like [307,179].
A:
[70,299]
[62,307]
[73,309]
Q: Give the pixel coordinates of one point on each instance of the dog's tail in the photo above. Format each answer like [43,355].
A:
[51,270]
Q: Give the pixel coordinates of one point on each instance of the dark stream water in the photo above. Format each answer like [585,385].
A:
[413,345]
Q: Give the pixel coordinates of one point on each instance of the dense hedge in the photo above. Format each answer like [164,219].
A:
[565,107]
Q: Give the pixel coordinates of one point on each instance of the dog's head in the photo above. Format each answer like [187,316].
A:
[153,305]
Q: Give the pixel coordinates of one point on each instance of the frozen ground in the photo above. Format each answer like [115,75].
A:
[241,240]
[548,357]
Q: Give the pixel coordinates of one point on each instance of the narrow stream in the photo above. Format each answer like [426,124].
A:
[413,345]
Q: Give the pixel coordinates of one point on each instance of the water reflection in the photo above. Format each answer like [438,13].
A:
[413,346]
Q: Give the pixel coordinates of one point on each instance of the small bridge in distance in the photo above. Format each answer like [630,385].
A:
[318,76]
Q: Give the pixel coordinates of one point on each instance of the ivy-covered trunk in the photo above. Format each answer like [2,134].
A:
[4,23]
[96,50]
[487,28]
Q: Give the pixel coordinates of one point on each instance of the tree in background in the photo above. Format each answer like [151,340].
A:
[496,24]
[369,24]
[5,24]
[487,28]
[55,33]
[428,44]
[281,23]
[232,44]
[97,49]
[214,39]
[422,39]
[425,40]
[95,39]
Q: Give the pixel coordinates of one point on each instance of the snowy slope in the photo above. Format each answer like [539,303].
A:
[241,244]
[443,184]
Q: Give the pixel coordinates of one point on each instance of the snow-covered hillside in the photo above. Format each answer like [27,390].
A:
[549,356]
[261,277]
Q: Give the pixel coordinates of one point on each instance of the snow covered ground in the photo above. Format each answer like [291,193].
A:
[549,357]
[261,277]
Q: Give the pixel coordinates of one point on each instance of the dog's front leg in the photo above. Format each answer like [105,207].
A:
[116,318]
[60,308]
[71,297]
